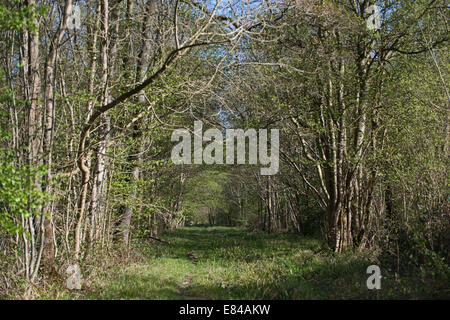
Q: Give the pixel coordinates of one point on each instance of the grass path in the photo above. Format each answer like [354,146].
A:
[235,264]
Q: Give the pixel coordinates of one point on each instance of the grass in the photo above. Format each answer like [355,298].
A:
[235,264]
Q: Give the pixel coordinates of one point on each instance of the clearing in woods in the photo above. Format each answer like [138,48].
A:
[236,264]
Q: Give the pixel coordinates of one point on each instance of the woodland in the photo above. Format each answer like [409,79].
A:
[92,91]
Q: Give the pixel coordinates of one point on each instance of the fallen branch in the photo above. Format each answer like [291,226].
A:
[160,240]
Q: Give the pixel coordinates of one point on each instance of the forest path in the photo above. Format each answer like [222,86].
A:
[235,264]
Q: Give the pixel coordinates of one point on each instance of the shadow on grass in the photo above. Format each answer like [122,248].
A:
[235,264]
[232,244]
[316,281]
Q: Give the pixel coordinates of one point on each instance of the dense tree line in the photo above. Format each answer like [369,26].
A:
[87,113]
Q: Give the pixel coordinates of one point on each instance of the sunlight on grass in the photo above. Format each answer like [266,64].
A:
[235,264]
